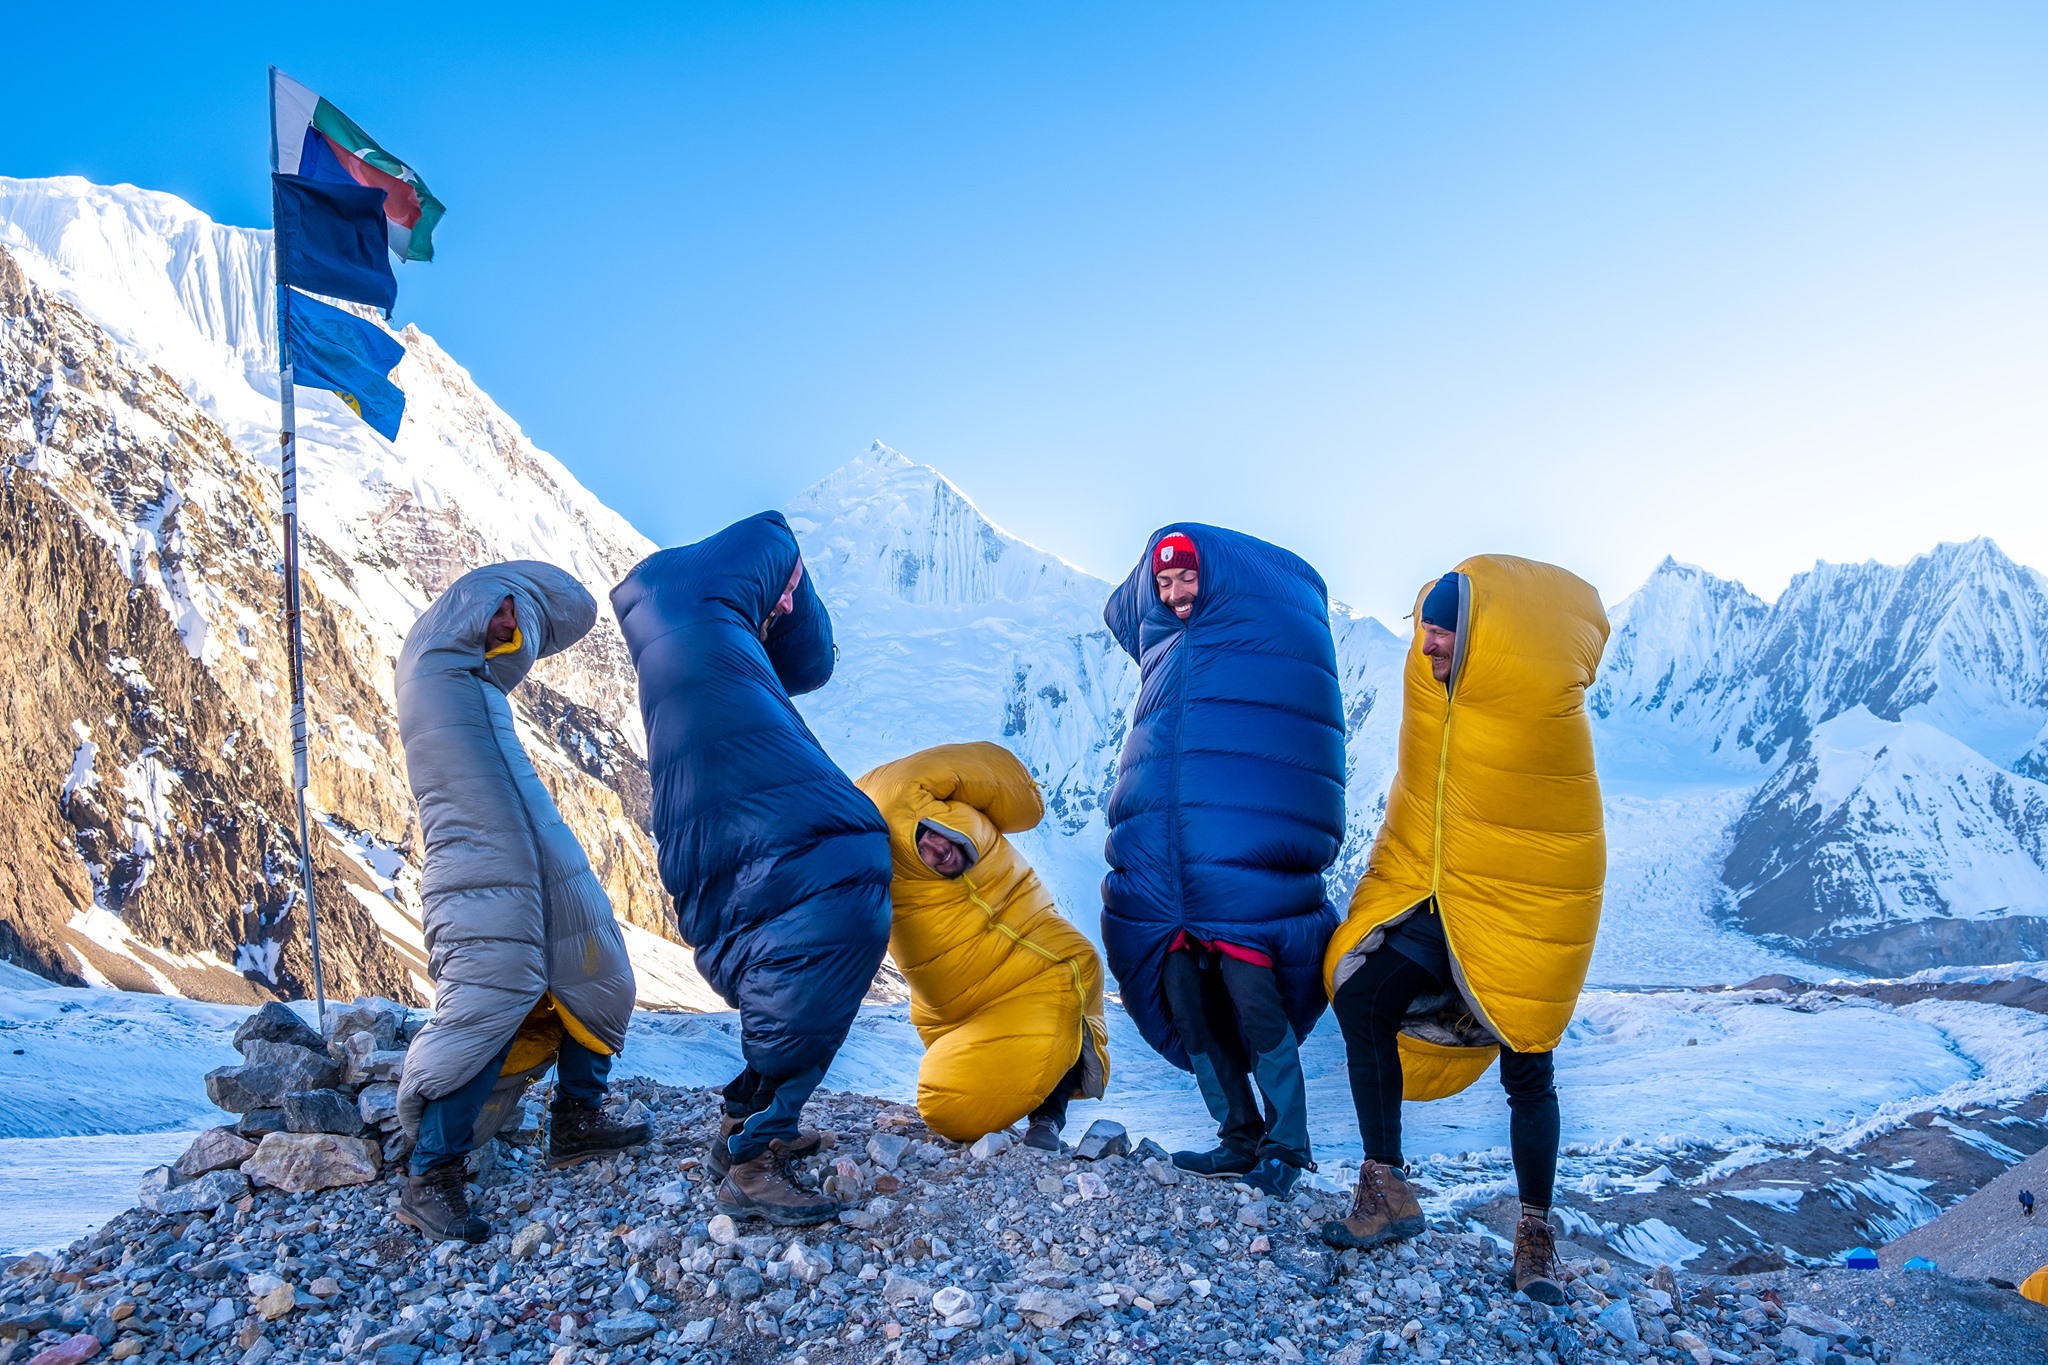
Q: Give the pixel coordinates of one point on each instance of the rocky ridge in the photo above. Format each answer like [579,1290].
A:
[994,1253]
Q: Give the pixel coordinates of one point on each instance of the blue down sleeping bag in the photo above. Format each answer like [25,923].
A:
[1229,798]
[778,864]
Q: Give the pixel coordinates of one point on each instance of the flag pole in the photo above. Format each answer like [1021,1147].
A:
[288,469]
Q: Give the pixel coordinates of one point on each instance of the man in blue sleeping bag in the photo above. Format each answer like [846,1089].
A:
[778,864]
[1228,809]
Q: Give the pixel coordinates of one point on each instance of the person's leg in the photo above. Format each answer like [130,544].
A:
[580,1075]
[1053,1108]
[578,1126]
[777,1114]
[1369,1007]
[1275,1058]
[1533,1126]
[448,1124]
[1530,1081]
[1208,1030]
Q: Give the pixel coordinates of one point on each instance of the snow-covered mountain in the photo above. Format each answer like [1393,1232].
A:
[1887,724]
[1849,772]
[137,426]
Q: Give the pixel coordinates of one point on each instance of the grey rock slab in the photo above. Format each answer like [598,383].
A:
[322,1111]
[216,1149]
[382,1019]
[301,1162]
[203,1195]
[625,1329]
[1105,1138]
[886,1149]
[277,1022]
[378,1103]
[257,1122]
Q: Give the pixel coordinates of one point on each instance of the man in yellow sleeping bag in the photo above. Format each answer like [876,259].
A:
[1006,994]
[1469,935]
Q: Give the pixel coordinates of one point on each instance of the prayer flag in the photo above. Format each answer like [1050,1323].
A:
[332,349]
[312,138]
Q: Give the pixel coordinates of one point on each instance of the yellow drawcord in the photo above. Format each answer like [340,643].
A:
[974,894]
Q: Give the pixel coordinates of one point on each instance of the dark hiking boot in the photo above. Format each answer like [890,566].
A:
[1273,1178]
[766,1187]
[1042,1135]
[576,1133]
[1216,1162]
[719,1158]
[1536,1262]
[1384,1209]
[438,1205]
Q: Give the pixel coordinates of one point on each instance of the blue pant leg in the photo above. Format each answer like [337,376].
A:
[779,1117]
[449,1123]
[580,1075]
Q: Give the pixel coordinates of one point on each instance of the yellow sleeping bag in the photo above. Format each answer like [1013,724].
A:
[1495,811]
[1006,994]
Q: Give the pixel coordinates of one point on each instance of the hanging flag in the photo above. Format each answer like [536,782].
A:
[352,356]
[312,138]
[330,240]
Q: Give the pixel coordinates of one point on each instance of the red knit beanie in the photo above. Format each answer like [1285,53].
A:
[1175,551]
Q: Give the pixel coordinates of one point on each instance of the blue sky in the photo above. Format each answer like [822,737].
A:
[1751,284]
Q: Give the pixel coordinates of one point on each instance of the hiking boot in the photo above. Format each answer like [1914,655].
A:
[1536,1262]
[1383,1209]
[1042,1135]
[577,1133]
[437,1204]
[766,1187]
[1273,1178]
[719,1158]
[1218,1161]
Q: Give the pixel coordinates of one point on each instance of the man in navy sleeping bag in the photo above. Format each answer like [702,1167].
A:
[1228,808]
[778,864]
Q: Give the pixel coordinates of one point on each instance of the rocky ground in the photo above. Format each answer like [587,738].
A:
[946,1253]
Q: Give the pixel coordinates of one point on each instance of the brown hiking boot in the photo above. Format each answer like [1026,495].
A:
[437,1204]
[719,1158]
[1536,1261]
[578,1134]
[766,1187]
[1384,1209]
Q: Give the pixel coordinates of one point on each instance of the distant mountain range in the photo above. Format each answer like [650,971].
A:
[1851,774]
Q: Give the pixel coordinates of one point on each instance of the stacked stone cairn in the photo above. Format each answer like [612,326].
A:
[313,1112]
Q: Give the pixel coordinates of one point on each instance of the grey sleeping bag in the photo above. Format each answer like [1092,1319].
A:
[512,909]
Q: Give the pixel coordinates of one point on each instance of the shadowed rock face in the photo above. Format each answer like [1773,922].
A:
[151,838]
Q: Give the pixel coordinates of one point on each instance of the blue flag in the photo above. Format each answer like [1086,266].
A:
[350,355]
[331,239]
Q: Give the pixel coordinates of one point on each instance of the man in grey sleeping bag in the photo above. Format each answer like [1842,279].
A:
[529,967]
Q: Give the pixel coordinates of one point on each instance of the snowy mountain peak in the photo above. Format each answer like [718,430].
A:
[883,525]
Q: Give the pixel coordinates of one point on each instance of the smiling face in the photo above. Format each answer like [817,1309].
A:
[1178,589]
[941,854]
[1441,648]
[786,603]
[504,626]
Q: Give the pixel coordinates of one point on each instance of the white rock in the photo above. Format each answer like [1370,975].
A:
[989,1144]
[722,1230]
[950,1300]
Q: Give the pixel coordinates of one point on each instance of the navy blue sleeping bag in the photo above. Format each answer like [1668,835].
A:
[778,864]
[1229,799]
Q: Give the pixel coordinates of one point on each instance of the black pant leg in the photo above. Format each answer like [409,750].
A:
[1274,1055]
[1054,1106]
[1533,1122]
[1208,1028]
[1369,1007]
